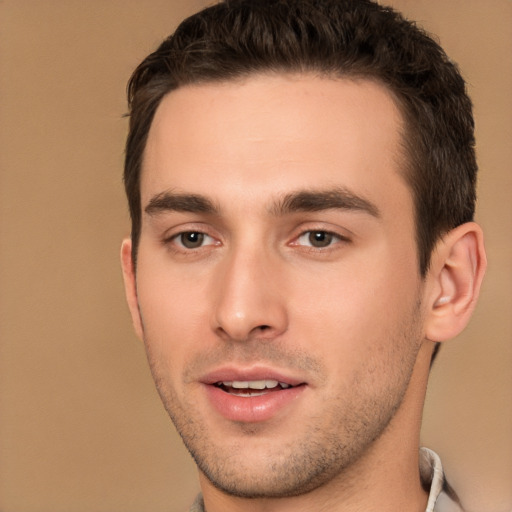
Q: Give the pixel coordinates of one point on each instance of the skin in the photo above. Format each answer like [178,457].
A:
[349,317]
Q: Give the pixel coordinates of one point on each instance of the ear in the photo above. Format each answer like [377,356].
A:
[456,272]
[130,285]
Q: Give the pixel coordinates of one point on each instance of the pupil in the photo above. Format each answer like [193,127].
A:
[320,238]
[192,240]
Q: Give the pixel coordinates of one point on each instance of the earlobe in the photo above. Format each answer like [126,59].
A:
[456,273]
[130,285]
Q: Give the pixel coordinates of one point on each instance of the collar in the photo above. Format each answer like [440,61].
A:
[441,498]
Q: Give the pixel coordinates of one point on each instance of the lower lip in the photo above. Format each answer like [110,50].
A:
[252,409]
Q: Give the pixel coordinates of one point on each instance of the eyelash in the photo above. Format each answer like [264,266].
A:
[332,238]
[179,236]
[175,242]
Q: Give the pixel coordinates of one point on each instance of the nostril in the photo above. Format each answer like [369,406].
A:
[263,327]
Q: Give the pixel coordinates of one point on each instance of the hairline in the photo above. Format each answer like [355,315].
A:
[403,157]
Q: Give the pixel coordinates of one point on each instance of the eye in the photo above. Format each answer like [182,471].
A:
[318,239]
[192,239]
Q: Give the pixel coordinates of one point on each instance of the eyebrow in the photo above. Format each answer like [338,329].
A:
[298,201]
[170,201]
[313,201]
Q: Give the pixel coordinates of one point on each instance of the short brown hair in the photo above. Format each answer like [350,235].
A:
[340,38]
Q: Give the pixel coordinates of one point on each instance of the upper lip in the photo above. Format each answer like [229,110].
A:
[232,373]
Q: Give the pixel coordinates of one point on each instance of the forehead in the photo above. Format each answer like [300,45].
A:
[266,131]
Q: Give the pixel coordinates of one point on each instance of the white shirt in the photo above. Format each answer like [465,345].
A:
[431,471]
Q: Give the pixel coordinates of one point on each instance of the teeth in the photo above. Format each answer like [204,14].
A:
[239,384]
[254,384]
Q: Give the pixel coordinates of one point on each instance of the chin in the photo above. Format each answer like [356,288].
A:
[277,471]
[258,485]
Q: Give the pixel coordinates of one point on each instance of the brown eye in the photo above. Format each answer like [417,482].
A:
[320,238]
[191,239]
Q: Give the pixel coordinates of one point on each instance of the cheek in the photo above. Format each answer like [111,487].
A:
[173,313]
[355,309]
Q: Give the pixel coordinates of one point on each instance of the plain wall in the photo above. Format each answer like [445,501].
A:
[81,426]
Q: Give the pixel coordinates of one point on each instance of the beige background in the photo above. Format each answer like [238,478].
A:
[81,427]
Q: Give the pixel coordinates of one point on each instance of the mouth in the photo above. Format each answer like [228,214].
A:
[251,388]
[251,395]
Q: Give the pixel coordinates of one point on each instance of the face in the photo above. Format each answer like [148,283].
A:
[277,290]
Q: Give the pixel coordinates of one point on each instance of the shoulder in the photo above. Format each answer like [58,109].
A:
[445,504]
[198,505]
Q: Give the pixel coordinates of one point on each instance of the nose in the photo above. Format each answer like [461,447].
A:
[250,299]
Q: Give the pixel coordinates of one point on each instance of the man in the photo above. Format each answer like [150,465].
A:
[301,181]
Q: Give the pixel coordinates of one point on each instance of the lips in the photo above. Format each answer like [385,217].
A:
[255,395]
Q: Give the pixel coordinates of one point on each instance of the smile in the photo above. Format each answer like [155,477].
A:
[252,387]
[253,398]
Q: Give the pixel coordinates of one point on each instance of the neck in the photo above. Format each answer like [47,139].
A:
[385,479]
